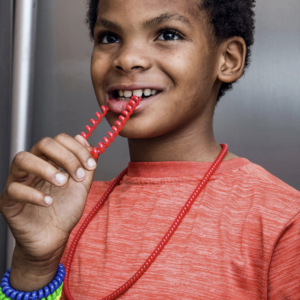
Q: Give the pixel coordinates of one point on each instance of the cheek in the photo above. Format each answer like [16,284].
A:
[96,70]
[100,67]
[188,68]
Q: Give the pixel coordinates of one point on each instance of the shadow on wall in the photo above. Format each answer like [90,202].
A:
[5,36]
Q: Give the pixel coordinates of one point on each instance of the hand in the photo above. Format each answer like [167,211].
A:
[42,205]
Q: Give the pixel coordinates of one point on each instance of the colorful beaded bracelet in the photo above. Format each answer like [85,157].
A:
[52,291]
[55,296]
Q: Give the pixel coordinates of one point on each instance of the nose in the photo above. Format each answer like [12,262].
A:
[132,58]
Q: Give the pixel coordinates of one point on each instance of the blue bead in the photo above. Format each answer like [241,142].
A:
[5,289]
[55,284]
[62,271]
[47,291]
[34,295]
[58,279]
[6,275]
[8,292]
[13,295]
[4,284]
[27,295]
[51,287]
[60,275]
[8,270]
[5,279]
[41,294]
[20,296]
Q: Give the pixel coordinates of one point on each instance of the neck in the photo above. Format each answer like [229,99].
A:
[194,142]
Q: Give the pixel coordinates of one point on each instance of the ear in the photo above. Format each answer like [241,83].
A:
[232,62]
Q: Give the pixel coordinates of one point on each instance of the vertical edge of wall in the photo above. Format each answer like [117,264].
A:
[22,82]
[5,90]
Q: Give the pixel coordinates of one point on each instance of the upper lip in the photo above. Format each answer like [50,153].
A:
[133,86]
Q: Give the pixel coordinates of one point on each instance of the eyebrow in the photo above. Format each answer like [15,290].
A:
[107,24]
[165,18]
[149,23]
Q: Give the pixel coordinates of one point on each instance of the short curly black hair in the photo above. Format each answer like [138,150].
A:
[228,18]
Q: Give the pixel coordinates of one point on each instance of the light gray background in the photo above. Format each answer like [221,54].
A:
[259,119]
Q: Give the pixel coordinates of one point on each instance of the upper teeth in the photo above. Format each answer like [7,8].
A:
[139,93]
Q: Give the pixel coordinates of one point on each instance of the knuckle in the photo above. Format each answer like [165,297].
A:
[19,158]
[10,190]
[44,142]
[61,136]
[70,159]
[83,153]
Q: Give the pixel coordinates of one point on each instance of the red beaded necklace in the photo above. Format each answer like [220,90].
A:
[122,289]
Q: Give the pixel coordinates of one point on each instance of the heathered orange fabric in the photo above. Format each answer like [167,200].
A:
[240,240]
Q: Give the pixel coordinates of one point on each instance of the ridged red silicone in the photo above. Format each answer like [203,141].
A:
[130,107]
[122,289]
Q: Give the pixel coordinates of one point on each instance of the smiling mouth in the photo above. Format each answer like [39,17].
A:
[125,95]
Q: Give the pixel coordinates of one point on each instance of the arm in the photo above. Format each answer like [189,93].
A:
[284,271]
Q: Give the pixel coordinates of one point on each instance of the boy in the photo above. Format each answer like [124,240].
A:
[240,239]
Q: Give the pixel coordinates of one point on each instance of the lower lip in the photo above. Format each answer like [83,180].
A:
[117,106]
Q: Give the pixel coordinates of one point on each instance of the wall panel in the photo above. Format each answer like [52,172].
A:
[259,119]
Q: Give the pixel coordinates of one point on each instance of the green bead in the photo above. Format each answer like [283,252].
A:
[50,297]
[2,296]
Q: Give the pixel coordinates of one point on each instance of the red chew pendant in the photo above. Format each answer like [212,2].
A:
[123,118]
[127,285]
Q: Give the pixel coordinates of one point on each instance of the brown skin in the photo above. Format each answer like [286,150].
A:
[176,125]
[181,116]
[41,231]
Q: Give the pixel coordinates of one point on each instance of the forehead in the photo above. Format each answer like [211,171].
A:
[136,10]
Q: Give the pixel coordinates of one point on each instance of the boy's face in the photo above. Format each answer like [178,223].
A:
[161,45]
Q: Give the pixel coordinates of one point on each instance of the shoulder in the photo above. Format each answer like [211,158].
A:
[258,181]
[268,199]
[261,179]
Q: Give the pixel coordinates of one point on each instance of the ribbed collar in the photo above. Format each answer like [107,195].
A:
[180,168]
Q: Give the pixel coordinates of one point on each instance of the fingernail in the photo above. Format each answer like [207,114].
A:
[60,178]
[91,163]
[80,173]
[48,200]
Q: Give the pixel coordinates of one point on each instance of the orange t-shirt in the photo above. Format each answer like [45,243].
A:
[240,240]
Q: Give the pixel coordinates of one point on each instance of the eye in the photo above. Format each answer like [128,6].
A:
[108,38]
[169,35]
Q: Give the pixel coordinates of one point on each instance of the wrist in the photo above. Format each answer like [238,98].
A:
[51,291]
[29,274]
